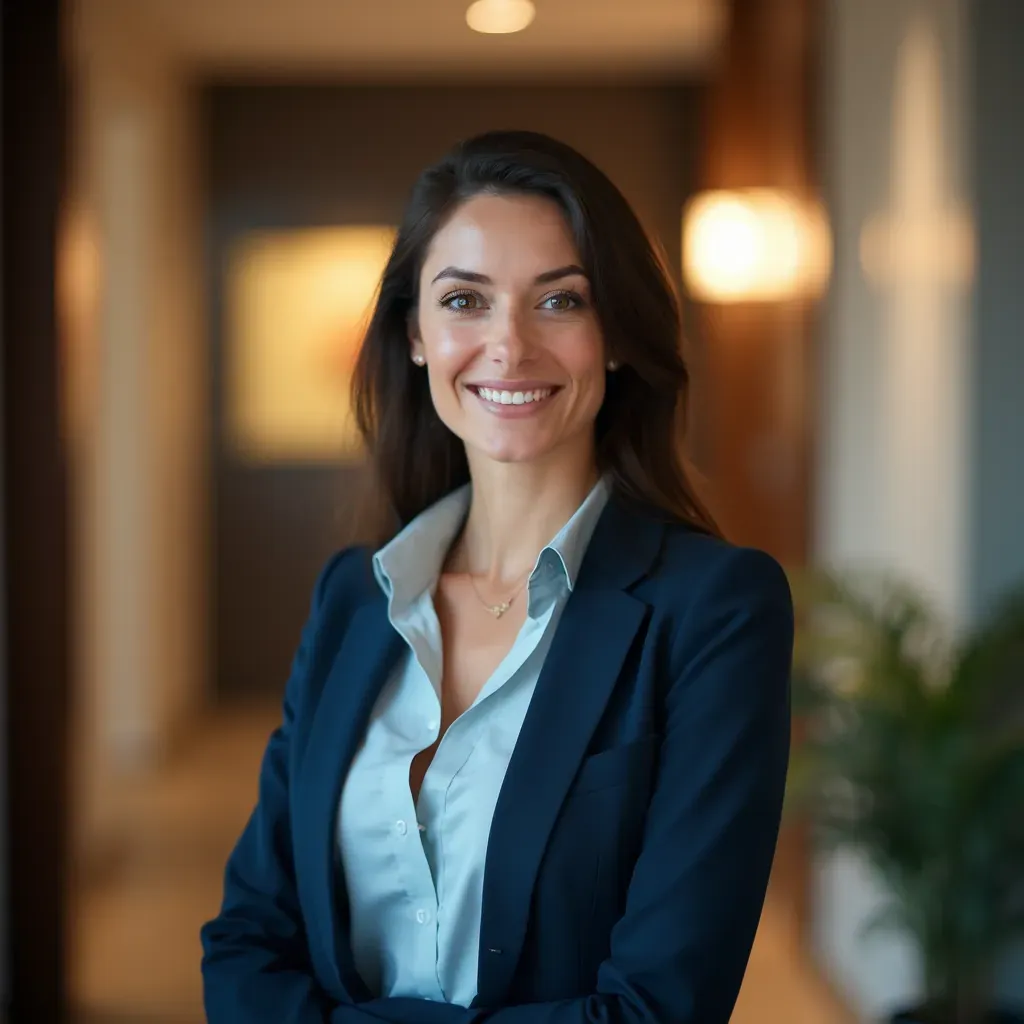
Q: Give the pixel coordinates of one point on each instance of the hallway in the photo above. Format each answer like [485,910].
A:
[136,935]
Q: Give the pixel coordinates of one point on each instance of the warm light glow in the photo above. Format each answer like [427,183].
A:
[754,245]
[297,304]
[499,17]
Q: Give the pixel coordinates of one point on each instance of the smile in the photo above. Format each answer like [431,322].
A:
[495,396]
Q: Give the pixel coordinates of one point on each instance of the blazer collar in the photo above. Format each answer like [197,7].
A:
[625,545]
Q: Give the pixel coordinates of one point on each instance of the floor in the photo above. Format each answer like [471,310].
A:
[136,949]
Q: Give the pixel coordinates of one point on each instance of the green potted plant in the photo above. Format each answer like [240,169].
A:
[913,755]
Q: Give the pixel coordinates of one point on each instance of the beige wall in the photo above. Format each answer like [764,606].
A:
[893,479]
[136,402]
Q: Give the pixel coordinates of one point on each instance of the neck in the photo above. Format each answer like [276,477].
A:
[516,509]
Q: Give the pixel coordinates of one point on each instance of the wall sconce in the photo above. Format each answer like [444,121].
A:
[500,17]
[755,245]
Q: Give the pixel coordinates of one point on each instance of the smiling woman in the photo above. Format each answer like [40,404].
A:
[534,747]
[517,341]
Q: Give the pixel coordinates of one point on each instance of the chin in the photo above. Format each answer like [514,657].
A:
[514,457]
[510,450]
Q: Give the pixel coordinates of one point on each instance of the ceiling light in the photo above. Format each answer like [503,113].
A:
[500,16]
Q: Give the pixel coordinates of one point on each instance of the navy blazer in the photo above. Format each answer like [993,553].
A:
[634,834]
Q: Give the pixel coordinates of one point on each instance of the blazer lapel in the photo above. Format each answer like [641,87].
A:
[367,655]
[597,629]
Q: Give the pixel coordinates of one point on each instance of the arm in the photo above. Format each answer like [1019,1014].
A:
[256,965]
[680,950]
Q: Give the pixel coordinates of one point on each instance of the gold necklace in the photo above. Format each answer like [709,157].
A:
[497,610]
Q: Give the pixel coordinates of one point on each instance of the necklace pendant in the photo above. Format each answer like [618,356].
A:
[497,610]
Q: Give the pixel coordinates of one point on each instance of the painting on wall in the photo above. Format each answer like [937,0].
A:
[297,305]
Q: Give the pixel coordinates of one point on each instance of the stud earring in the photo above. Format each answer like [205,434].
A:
[613,365]
[418,359]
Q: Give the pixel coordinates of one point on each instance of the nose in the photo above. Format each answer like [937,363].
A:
[511,343]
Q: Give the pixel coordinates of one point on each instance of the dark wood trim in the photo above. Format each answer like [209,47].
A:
[35,567]
[759,359]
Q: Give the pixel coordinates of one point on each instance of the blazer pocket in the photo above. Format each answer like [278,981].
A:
[614,766]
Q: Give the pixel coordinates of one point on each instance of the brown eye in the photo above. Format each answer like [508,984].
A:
[461,302]
[561,302]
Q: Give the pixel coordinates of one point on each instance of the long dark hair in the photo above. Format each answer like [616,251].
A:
[638,431]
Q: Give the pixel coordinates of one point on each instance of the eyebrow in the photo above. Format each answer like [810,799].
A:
[457,274]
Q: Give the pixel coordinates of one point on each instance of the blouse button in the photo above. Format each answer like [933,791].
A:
[421,916]
[401,828]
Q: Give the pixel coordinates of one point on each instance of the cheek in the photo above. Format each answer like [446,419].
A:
[455,343]
[582,356]
[450,351]
[449,345]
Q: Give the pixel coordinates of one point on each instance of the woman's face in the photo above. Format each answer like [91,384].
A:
[505,325]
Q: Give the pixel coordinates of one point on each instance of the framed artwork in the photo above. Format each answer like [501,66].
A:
[297,303]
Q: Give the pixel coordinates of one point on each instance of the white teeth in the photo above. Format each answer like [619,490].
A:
[513,397]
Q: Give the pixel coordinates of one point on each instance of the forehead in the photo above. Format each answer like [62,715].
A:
[509,235]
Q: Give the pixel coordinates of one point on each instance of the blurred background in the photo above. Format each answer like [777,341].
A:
[198,197]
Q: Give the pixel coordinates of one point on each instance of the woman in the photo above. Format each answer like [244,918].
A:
[534,748]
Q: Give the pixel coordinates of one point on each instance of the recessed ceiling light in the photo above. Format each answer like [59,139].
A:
[500,16]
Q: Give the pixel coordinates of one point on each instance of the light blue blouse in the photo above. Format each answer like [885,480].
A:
[414,873]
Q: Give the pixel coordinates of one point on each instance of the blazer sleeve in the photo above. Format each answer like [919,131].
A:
[256,965]
[680,950]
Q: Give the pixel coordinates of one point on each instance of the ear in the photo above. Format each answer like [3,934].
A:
[412,330]
[416,351]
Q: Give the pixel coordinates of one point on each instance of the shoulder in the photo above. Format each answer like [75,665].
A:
[344,584]
[697,574]
[728,613]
